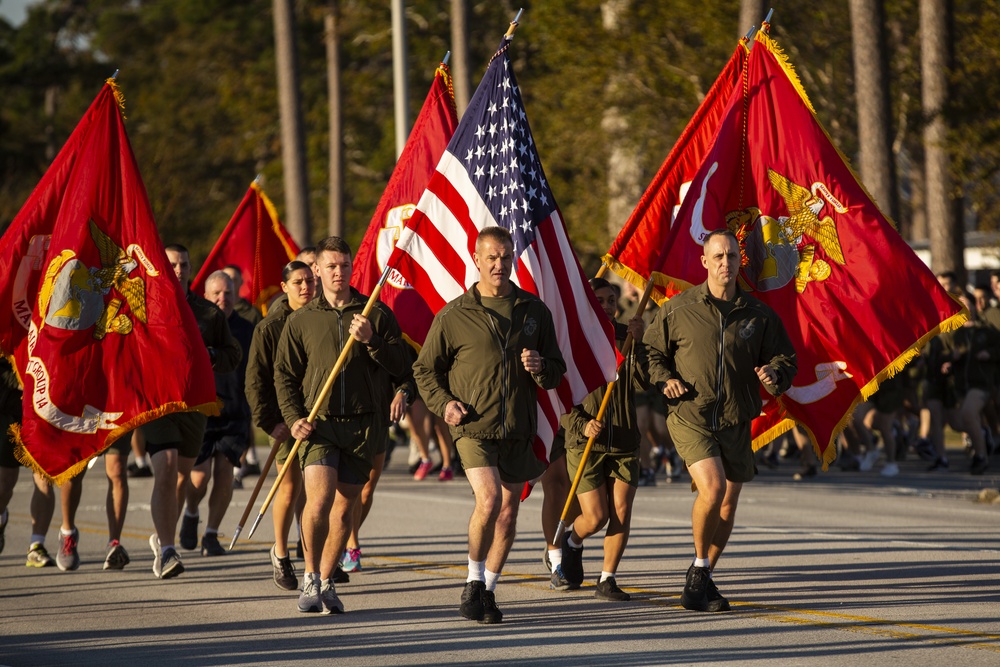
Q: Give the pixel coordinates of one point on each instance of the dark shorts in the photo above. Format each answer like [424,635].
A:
[284,449]
[652,399]
[558,446]
[183,431]
[733,445]
[379,439]
[515,459]
[343,443]
[602,466]
[230,445]
[120,447]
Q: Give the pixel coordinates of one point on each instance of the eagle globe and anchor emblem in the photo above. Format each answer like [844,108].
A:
[73,297]
[395,222]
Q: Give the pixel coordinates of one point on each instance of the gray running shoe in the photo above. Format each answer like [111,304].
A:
[559,581]
[117,557]
[284,572]
[68,558]
[39,557]
[171,564]
[328,596]
[189,532]
[309,599]
[210,545]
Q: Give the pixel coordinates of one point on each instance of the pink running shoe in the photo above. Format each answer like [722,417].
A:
[422,470]
[447,474]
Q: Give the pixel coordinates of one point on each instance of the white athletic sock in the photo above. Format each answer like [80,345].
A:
[573,543]
[606,575]
[555,557]
[36,539]
[701,562]
[211,531]
[491,580]
[188,512]
[477,569]
[141,462]
[64,532]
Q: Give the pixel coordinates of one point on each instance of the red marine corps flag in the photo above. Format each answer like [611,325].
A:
[430,136]
[90,310]
[636,250]
[856,301]
[257,242]
[491,175]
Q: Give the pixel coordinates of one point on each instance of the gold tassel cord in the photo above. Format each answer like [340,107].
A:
[119,96]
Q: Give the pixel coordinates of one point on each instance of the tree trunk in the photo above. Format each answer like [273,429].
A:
[293,143]
[876,163]
[460,68]
[331,24]
[946,239]
[400,90]
[752,12]
[624,184]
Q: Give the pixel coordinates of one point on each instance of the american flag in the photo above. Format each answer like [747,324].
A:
[490,175]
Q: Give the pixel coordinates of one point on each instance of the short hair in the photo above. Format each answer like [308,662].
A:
[333,244]
[600,283]
[305,251]
[235,268]
[291,268]
[724,231]
[220,275]
[495,233]
[995,273]
[950,275]
[177,247]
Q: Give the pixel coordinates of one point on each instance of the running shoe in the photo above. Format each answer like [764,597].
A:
[715,600]
[890,470]
[189,532]
[68,558]
[171,564]
[423,470]
[284,572]
[558,582]
[572,561]
[491,613]
[351,562]
[472,600]
[309,599]
[608,590]
[695,595]
[329,599]
[39,557]
[117,557]
[341,577]
[447,474]
[210,545]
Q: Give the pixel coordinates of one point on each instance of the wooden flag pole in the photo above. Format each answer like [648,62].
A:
[341,360]
[626,350]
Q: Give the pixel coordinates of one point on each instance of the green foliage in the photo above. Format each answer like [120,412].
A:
[201,95]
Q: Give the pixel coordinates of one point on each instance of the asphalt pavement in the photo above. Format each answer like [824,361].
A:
[840,569]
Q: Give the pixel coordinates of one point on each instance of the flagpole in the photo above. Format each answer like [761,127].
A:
[626,350]
[513,25]
[320,400]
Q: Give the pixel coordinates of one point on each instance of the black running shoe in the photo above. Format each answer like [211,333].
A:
[979,465]
[284,572]
[695,595]
[340,577]
[608,590]
[491,613]
[572,562]
[210,545]
[472,600]
[189,532]
[715,600]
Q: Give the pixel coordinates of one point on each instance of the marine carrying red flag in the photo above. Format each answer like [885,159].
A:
[491,175]
[428,139]
[257,242]
[90,310]
[635,253]
[856,301]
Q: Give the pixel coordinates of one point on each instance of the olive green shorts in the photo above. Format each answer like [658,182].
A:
[515,459]
[602,466]
[284,449]
[183,431]
[343,443]
[732,445]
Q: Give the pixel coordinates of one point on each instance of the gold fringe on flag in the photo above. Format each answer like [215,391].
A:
[119,96]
